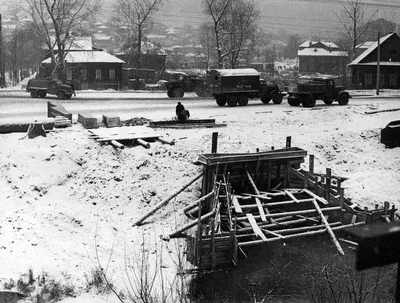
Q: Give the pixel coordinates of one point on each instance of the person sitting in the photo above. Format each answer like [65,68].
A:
[181,113]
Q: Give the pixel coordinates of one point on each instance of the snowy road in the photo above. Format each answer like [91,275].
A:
[18,106]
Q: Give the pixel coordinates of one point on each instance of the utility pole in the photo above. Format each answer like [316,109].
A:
[378,63]
[2,63]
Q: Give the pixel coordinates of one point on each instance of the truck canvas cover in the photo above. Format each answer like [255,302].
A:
[235,72]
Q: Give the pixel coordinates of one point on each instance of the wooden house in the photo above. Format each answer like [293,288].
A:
[364,67]
[88,67]
[321,57]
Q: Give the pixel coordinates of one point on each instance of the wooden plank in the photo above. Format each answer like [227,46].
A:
[328,228]
[195,203]
[318,198]
[261,210]
[236,205]
[256,196]
[124,130]
[289,194]
[255,227]
[128,137]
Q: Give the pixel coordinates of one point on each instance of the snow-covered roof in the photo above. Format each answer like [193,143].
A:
[381,63]
[89,57]
[370,49]
[236,72]
[365,44]
[326,43]
[321,52]
[80,44]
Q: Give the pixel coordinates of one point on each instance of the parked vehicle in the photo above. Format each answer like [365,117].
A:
[308,90]
[237,86]
[390,135]
[42,87]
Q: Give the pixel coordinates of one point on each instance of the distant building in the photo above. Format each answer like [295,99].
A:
[364,67]
[321,57]
[87,67]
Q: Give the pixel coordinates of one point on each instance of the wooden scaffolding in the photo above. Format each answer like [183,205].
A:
[255,198]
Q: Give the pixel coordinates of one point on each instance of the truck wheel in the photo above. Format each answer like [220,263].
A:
[344,99]
[243,100]
[309,101]
[178,92]
[42,94]
[328,101]
[277,98]
[265,99]
[293,101]
[34,94]
[221,100]
[232,101]
[61,95]
[170,93]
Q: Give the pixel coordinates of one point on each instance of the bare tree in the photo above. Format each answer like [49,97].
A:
[53,22]
[240,28]
[136,15]
[217,9]
[355,18]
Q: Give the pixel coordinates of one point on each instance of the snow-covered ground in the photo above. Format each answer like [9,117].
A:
[65,197]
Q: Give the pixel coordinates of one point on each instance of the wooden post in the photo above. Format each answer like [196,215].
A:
[166,200]
[195,203]
[328,185]
[341,199]
[191,224]
[165,141]
[288,142]
[311,164]
[213,257]
[144,143]
[214,143]
[328,228]
[117,144]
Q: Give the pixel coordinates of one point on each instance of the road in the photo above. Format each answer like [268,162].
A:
[18,106]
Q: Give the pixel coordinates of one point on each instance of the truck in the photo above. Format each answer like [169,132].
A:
[310,89]
[236,86]
[41,87]
[187,83]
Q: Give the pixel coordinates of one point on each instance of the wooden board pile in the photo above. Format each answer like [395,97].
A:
[135,134]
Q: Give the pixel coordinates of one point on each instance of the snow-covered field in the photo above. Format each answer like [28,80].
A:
[65,197]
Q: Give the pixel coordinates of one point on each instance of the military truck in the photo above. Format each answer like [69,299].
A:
[187,83]
[310,89]
[236,86]
[42,87]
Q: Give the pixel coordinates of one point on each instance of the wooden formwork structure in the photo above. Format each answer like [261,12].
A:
[256,198]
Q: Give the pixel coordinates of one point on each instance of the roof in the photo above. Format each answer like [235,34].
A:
[81,44]
[381,63]
[321,52]
[328,44]
[89,57]
[365,45]
[371,49]
[236,72]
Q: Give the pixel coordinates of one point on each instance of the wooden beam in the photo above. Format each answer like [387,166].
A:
[195,203]
[289,194]
[258,193]
[292,213]
[315,232]
[191,224]
[143,143]
[117,144]
[328,228]
[165,141]
[166,200]
[236,205]
[260,210]
[256,196]
[318,198]
[255,227]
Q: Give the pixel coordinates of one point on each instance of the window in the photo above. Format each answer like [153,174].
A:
[368,79]
[393,80]
[69,74]
[84,74]
[98,74]
[112,74]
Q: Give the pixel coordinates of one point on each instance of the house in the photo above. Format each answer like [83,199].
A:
[321,57]
[87,67]
[364,67]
